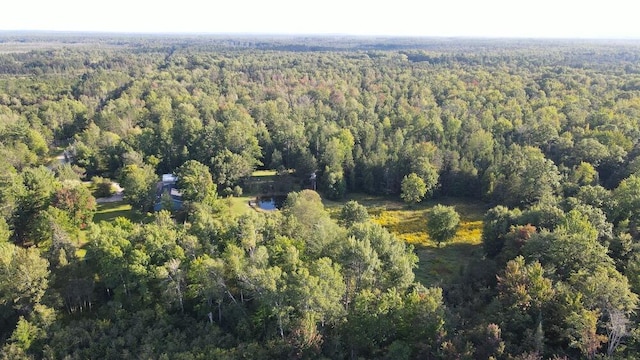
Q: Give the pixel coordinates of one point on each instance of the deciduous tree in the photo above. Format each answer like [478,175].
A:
[77,201]
[352,213]
[442,223]
[139,184]
[195,182]
[413,189]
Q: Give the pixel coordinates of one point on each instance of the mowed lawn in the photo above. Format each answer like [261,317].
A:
[110,211]
[238,205]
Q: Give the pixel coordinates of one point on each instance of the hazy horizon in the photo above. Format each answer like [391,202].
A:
[542,19]
[303,35]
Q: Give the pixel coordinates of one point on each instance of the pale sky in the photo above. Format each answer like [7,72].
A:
[469,18]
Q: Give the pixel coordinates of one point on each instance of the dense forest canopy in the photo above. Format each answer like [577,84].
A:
[544,133]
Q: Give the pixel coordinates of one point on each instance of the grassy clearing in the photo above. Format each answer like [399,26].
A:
[263,173]
[439,266]
[409,223]
[375,205]
[436,265]
[112,210]
[238,205]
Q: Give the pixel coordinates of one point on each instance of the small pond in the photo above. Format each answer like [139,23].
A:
[271,202]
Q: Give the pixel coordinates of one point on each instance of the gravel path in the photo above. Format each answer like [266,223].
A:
[115,198]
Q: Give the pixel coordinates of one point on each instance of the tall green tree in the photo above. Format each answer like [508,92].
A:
[140,186]
[24,278]
[307,220]
[353,213]
[413,189]
[208,284]
[495,226]
[523,177]
[397,260]
[442,223]
[196,183]
[33,196]
[627,197]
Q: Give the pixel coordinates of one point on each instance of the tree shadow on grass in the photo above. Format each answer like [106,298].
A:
[110,211]
[440,266]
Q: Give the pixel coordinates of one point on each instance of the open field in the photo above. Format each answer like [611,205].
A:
[436,265]
[263,173]
[111,210]
[238,205]
[408,223]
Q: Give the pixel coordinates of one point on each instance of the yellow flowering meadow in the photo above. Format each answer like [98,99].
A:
[409,225]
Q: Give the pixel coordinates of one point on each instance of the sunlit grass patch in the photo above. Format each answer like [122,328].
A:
[238,205]
[112,210]
[410,226]
[470,232]
[374,203]
[415,238]
[263,173]
[388,219]
[437,265]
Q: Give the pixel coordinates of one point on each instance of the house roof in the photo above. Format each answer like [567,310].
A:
[169,178]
